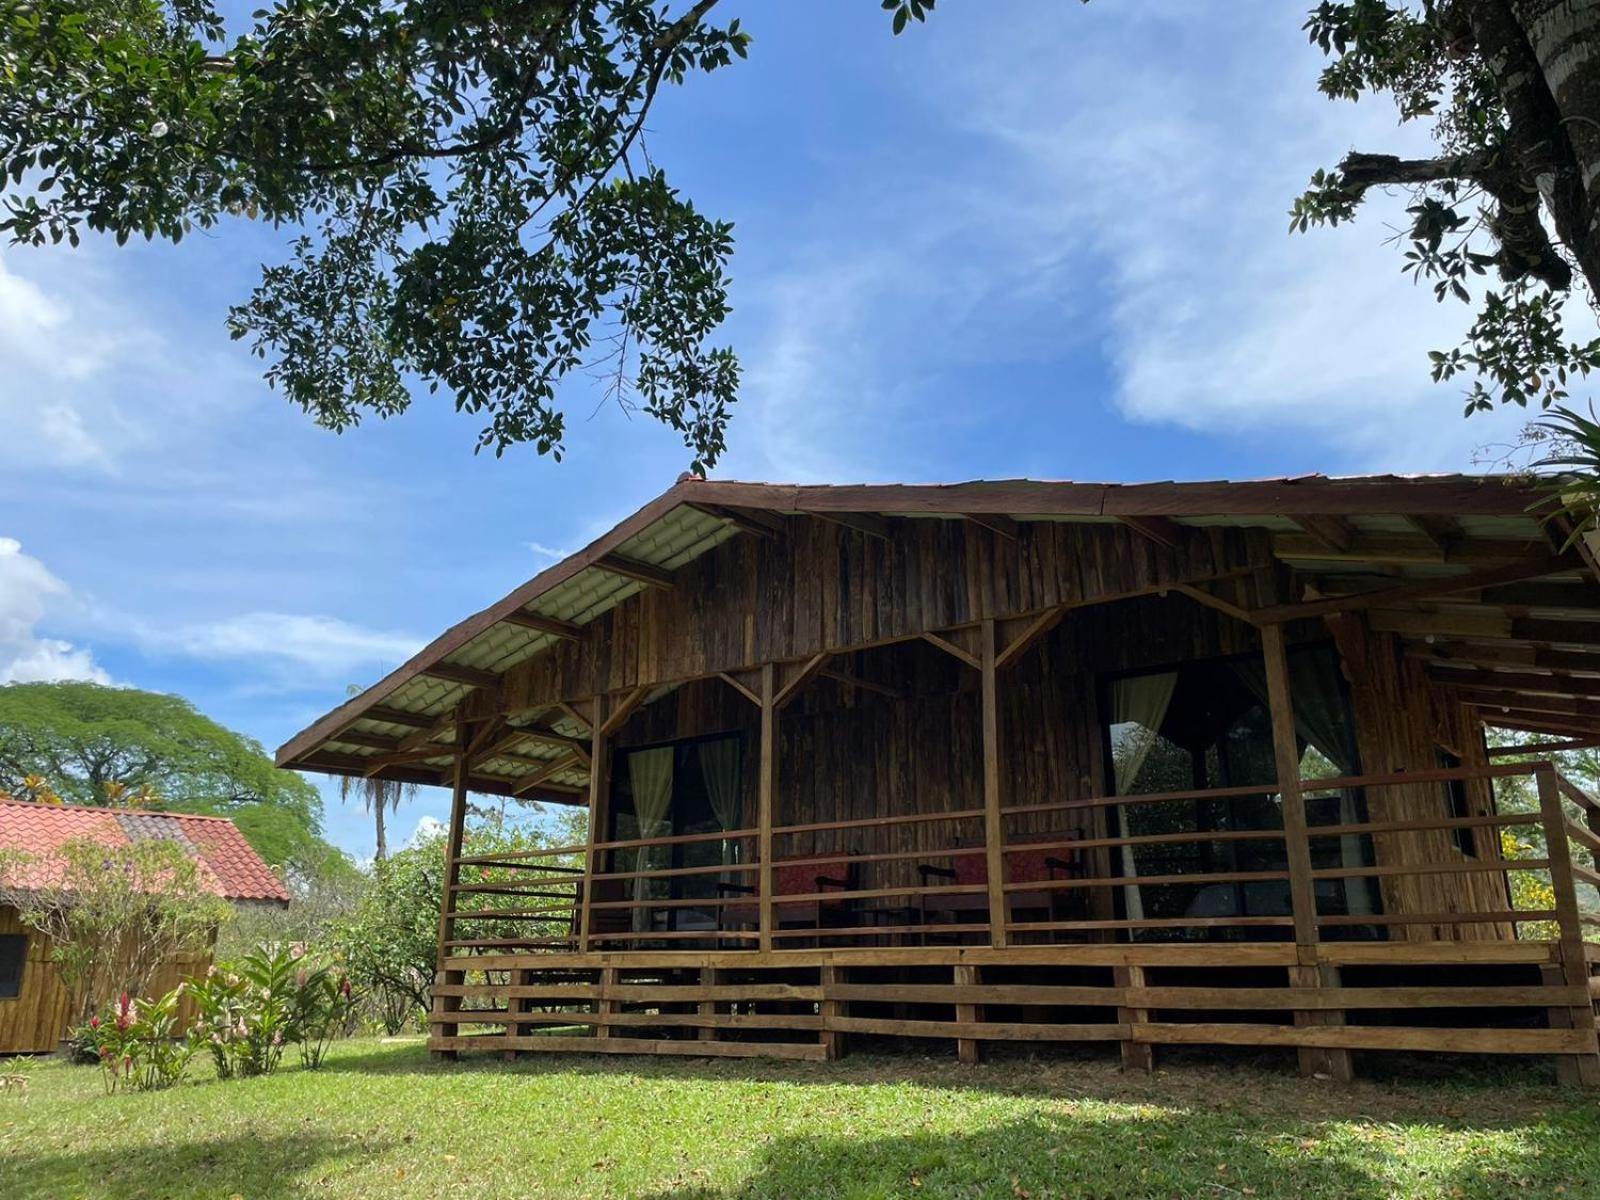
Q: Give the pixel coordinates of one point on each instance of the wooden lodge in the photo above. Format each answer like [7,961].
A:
[37,1010]
[1179,763]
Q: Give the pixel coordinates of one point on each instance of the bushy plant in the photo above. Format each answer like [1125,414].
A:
[137,1043]
[113,914]
[323,1000]
[252,1009]
[391,942]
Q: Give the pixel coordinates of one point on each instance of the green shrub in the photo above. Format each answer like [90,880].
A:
[137,1043]
[252,1009]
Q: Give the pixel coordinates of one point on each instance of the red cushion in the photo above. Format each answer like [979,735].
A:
[1022,866]
[800,880]
[971,868]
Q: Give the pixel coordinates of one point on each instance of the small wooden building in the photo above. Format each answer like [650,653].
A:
[1018,761]
[35,1007]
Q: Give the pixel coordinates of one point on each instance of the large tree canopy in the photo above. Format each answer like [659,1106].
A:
[94,745]
[473,205]
[474,209]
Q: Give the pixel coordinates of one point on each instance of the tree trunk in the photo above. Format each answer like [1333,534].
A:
[1545,56]
[383,842]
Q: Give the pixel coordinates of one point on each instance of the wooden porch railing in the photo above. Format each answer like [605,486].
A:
[531,900]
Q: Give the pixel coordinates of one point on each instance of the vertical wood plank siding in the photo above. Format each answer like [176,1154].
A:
[824,587]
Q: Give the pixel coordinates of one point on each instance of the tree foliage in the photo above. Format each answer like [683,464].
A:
[101,745]
[472,203]
[113,914]
[473,208]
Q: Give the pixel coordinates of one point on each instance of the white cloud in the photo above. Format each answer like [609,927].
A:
[27,591]
[428,828]
[324,646]
[549,552]
[1170,174]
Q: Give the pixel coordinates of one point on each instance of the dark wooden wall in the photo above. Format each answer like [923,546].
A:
[824,587]
[847,753]
[1402,721]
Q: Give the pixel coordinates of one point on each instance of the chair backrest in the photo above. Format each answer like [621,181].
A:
[1022,865]
[1033,866]
[805,880]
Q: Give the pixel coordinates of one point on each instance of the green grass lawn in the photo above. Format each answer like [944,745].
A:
[382,1120]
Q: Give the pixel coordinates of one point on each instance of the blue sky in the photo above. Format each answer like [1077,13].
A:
[1026,239]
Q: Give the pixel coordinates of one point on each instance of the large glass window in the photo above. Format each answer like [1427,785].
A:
[669,790]
[1205,725]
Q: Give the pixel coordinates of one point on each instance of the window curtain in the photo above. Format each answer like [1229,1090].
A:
[1139,705]
[719,767]
[1320,720]
[650,779]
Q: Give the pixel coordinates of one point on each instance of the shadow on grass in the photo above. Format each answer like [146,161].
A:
[268,1166]
[1267,1079]
[1159,1155]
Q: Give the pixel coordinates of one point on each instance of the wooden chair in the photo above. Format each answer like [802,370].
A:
[1022,865]
[821,911]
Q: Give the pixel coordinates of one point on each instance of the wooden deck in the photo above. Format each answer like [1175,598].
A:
[1498,980]
[1482,997]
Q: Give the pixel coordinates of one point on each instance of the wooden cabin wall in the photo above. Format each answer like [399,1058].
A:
[847,753]
[1402,721]
[38,1017]
[821,586]
[41,1014]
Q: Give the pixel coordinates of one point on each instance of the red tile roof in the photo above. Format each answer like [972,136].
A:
[228,865]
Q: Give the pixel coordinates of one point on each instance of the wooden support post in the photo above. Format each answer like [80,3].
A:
[709,977]
[968,1050]
[599,790]
[1136,1056]
[452,876]
[605,1006]
[1314,1060]
[766,799]
[993,829]
[1575,1069]
[832,1040]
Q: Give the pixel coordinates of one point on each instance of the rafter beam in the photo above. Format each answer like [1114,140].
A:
[866,685]
[955,651]
[1536,658]
[758,524]
[396,716]
[383,762]
[995,523]
[807,671]
[618,716]
[1328,531]
[1403,548]
[870,524]
[574,715]
[748,693]
[1443,531]
[632,568]
[540,623]
[554,767]
[466,676]
[1516,681]
[1163,531]
[1204,595]
[1035,629]
[1491,626]
[1559,706]
[370,741]
[1418,589]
